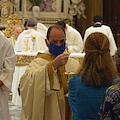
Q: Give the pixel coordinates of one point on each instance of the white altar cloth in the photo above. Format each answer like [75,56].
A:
[22,61]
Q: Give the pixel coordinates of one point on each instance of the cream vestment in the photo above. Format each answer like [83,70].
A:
[42,28]
[105,30]
[7,65]
[42,89]
[26,36]
[73,40]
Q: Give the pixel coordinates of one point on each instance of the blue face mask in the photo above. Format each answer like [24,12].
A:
[57,50]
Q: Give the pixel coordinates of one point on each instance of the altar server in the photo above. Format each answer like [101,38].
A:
[42,28]
[99,27]
[74,40]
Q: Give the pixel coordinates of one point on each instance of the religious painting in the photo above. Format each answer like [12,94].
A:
[4,10]
[48,6]
[45,6]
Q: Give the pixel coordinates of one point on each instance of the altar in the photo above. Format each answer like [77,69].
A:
[22,60]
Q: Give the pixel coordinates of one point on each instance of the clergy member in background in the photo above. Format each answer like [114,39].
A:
[42,28]
[7,65]
[73,38]
[29,40]
[29,36]
[99,27]
[42,85]
[14,37]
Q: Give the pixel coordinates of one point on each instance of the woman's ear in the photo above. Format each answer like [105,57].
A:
[47,44]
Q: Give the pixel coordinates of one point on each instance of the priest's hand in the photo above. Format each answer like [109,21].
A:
[1,83]
[60,60]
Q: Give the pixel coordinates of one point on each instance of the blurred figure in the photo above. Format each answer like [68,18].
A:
[7,66]
[96,74]
[42,28]
[27,35]
[73,38]
[35,41]
[110,108]
[14,37]
[99,27]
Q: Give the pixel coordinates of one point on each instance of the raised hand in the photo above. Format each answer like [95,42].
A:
[60,60]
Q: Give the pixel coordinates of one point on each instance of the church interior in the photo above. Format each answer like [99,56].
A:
[76,13]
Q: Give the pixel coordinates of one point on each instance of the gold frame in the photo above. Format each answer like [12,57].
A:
[7,7]
[12,22]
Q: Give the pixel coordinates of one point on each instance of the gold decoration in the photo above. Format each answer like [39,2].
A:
[68,112]
[8,32]
[33,40]
[22,60]
[5,10]
[66,77]
[12,22]
[26,44]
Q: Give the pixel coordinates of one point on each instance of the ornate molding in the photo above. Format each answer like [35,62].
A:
[22,60]
[12,22]
[48,6]
[77,7]
[5,10]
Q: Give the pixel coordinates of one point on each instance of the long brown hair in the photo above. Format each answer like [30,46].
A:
[98,65]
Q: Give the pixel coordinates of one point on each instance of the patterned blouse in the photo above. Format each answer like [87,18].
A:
[110,108]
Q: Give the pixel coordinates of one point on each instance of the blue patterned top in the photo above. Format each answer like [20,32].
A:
[110,108]
[84,100]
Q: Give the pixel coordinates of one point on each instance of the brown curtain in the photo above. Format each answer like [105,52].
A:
[93,7]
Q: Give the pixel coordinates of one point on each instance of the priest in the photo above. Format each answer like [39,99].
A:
[43,85]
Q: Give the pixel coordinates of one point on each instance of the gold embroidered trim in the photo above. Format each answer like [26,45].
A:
[60,72]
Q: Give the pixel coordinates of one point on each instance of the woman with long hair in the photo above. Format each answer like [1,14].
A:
[96,74]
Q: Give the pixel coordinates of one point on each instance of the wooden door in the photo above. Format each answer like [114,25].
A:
[111,16]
